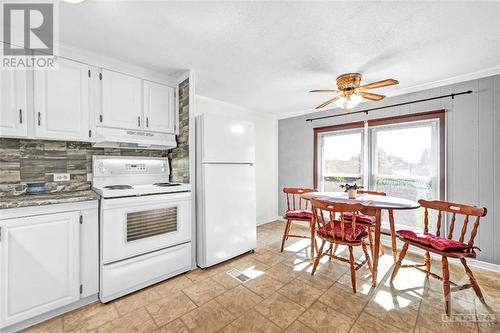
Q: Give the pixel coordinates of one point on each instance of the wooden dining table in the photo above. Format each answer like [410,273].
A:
[374,204]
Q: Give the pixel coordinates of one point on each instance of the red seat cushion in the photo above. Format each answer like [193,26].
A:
[439,243]
[299,213]
[362,218]
[445,244]
[359,231]
[420,237]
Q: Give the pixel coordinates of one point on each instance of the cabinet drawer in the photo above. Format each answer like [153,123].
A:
[129,275]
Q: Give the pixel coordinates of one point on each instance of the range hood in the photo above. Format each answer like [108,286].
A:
[133,139]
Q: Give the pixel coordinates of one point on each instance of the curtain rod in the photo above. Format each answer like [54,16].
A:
[452,95]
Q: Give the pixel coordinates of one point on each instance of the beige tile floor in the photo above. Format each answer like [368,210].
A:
[284,297]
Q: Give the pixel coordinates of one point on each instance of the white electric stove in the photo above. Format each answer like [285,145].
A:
[145,223]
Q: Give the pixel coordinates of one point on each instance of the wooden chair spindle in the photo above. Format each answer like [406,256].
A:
[438,226]
[473,233]
[452,226]
[464,229]
[426,220]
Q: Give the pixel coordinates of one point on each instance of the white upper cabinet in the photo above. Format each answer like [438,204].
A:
[62,102]
[159,107]
[39,262]
[121,101]
[13,103]
[80,102]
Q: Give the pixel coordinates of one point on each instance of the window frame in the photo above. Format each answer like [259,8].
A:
[438,115]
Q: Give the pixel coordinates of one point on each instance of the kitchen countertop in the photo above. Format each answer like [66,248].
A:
[27,200]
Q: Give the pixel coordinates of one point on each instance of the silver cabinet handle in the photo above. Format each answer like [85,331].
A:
[147,121]
[39,118]
[139,121]
[20,116]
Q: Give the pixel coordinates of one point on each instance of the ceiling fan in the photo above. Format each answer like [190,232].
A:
[351,93]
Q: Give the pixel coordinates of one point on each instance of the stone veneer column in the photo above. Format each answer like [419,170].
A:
[179,157]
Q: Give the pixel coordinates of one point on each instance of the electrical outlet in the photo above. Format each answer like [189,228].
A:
[61,177]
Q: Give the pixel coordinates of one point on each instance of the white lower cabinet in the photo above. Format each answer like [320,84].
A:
[44,266]
[40,265]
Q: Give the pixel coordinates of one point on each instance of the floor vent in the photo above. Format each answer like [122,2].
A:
[235,273]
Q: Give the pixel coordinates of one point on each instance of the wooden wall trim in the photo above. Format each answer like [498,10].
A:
[357,124]
[437,114]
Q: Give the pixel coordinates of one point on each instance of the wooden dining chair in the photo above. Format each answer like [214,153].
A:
[340,232]
[298,210]
[447,246]
[370,221]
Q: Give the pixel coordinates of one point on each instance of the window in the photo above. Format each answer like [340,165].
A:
[342,159]
[401,156]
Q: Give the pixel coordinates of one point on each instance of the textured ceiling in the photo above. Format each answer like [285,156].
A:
[265,56]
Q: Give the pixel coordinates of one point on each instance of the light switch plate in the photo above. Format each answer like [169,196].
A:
[61,177]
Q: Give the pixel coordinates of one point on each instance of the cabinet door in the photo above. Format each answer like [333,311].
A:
[13,100]
[62,102]
[121,101]
[39,265]
[159,107]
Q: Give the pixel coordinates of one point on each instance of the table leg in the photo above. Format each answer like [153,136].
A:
[393,235]
[313,239]
[376,248]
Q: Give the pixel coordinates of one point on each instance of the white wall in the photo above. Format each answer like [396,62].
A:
[266,152]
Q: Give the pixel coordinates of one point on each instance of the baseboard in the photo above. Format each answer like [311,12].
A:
[50,314]
[269,220]
[484,265]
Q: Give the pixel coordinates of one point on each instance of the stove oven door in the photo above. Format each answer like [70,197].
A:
[133,226]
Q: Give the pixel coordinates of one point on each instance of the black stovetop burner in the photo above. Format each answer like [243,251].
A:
[166,184]
[118,187]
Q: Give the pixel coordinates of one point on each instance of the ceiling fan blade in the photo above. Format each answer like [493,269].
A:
[324,90]
[330,101]
[371,96]
[378,84]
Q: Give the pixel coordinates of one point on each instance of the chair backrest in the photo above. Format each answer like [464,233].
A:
[293,199]
[321,208]
[372,192]
[454,209]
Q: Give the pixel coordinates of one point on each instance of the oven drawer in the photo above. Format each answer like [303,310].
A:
[136,225]
[129,275]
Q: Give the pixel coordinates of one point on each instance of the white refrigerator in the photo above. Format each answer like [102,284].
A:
[225,188]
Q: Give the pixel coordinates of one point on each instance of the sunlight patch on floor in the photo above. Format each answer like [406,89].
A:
[389,302]
[252,272]
[300,265]
[299,246]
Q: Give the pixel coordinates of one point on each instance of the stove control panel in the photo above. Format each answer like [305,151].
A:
[135,167]
[131,170]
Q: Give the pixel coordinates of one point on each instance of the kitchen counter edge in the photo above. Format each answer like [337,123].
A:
[27,200]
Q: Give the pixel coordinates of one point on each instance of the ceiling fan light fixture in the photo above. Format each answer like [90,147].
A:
[348,102]
[352,93]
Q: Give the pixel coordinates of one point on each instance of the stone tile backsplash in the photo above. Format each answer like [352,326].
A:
[24,160]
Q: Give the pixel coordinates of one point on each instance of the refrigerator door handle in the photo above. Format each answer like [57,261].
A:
[229,163]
